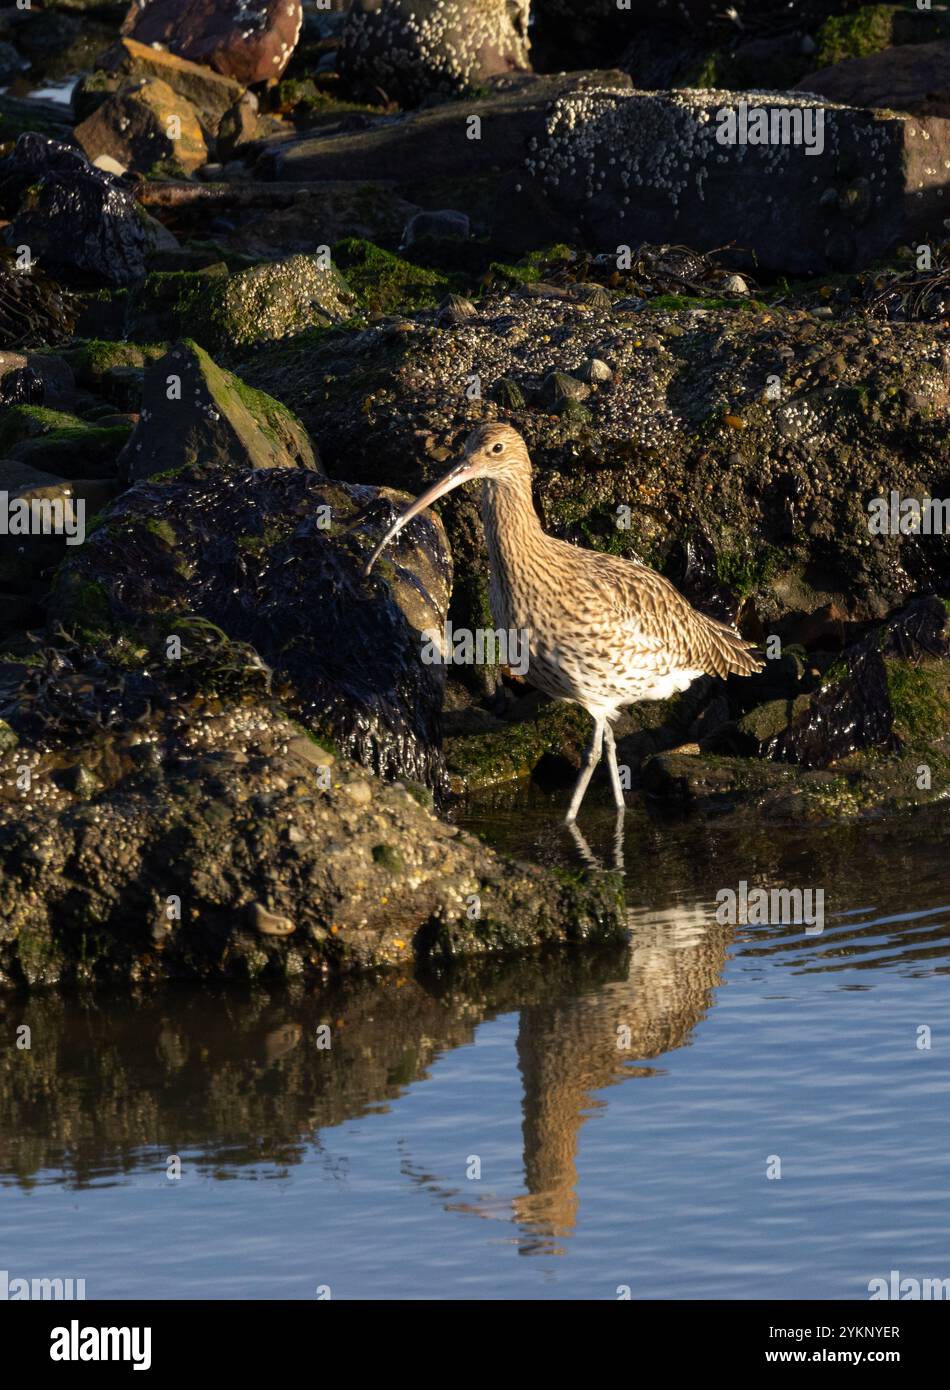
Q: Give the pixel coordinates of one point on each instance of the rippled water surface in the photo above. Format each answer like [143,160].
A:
[354,1168]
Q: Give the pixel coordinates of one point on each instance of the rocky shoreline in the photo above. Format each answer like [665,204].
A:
[259,282]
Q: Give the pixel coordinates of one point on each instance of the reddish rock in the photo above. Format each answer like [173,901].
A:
[249,40]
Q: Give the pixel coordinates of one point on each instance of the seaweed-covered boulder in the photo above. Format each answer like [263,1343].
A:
[194,411]
[888,691]
[61,443]
[250,45]
[871,738]
[416,48]
[34,310]
[143,124]
[150,830]
[278,299]
[75,219]
[273,559]
[762,432]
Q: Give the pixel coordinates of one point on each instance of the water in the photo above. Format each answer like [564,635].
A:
[599,1167]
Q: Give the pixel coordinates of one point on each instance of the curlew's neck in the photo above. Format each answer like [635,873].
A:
[512,529]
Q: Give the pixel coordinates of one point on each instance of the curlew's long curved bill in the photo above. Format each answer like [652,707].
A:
[462,473]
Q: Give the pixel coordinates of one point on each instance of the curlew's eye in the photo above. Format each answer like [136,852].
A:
[498,448]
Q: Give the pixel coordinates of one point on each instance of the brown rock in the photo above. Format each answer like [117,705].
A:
[137,127]
[238,125]
[210,93]
[911,77]
[250,45]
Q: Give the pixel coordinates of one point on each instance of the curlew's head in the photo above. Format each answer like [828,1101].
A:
[491,451]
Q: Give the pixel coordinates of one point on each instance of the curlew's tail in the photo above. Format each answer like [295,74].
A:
[726,652]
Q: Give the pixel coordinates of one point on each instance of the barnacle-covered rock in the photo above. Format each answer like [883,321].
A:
[170,835]
[418,48]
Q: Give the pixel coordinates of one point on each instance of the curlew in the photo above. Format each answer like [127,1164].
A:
[603,632]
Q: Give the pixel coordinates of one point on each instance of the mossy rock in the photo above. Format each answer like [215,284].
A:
[59,443]
[226,311]
[385,283]
[93,359]
[195,412]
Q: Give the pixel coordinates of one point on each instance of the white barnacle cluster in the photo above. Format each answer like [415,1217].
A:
[617,140]
[526,340]
[610,141]
[252,17]
[432,44]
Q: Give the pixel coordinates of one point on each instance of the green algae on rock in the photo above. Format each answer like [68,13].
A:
[225,311]
[61,443]
[194,411]
[205,821]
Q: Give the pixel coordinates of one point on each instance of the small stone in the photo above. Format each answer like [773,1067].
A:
[594,370]
[508,394]
[455,309]
[447,224]
[311,752]
[558,389]
[360,792]
[270,923]
[593,295]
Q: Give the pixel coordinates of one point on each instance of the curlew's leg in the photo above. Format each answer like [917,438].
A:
[614,769]
[591,759]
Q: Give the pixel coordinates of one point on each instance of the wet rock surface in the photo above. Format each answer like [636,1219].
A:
[267,556]
[73,218]
[205,845]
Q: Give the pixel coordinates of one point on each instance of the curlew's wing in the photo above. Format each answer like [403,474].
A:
[651,617]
